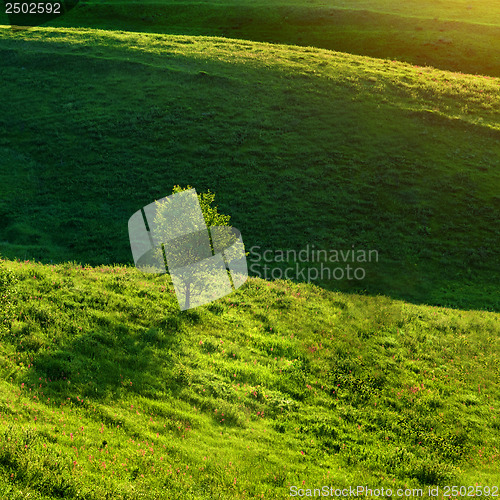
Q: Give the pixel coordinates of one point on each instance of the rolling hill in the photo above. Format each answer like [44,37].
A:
[331,150]
[109,391]
[337,126]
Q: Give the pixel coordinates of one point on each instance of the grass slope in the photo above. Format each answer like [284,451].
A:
[302,146]
[461,35]
[109,391]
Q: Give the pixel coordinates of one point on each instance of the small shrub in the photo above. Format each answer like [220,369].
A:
[182,375]
[8,284]
[228,415]
[209,345]
[280,405]
[434,473]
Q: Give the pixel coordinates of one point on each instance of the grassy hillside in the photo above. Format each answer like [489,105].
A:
[368,125]
[456,35]
[302,146]
[109,391]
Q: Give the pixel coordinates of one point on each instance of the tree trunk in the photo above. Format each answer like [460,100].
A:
[188,294]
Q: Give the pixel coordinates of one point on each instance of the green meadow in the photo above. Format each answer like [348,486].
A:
[370,125]
[457,35]
[302,146]
[109,391]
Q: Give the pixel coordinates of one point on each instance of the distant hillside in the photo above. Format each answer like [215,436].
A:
[108,389]
[456,35]
[303,147]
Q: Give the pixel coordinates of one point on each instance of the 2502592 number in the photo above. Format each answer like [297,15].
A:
[32,8]
[471,491]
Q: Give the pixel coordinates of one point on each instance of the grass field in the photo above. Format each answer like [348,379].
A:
[409,153]
[371,125]
[456,35]
[109,391]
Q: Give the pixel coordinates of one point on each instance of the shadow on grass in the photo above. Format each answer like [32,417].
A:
[104,363]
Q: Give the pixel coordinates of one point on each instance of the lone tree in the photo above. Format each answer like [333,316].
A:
[187,248]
